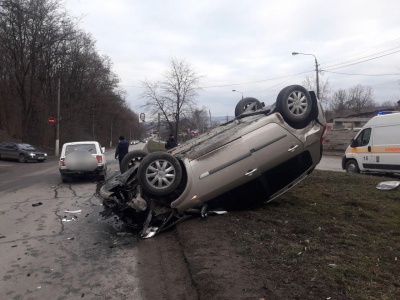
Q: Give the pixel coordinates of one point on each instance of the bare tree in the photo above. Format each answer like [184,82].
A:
[338,102]
[39,47]
[353,100]
[360,97]
[324,87]
[174,96]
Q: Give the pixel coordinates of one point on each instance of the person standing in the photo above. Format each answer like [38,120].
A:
[121,150]
[170,142]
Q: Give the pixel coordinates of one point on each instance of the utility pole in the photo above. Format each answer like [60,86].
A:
[159,127]
[57,152]
[111,134]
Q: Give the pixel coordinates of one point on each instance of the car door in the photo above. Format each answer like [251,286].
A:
[3,150]
[14,151]
[271,145]
[8,150]
[222,169]
[361,148]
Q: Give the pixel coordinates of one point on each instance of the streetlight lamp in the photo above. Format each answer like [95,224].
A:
[316,68]
[238,92]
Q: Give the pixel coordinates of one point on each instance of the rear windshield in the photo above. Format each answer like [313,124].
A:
[26,147]
[80,147]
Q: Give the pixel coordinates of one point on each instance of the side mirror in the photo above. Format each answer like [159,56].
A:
[103,149]
[353,143]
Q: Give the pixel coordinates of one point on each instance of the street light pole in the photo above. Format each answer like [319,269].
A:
[238,92]
[316,69]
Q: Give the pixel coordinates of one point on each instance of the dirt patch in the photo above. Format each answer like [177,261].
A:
[334,236]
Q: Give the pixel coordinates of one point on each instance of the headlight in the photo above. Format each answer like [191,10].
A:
[32,154]
[45,154]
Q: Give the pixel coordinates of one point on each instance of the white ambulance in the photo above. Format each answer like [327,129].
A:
[376,148]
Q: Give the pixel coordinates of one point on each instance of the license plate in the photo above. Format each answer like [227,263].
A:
[40,157]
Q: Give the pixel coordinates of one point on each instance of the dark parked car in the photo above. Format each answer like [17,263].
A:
[21,151]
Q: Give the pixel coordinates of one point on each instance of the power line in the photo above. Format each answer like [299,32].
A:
[355,63]
[392,74]
[233,84]
[365,53]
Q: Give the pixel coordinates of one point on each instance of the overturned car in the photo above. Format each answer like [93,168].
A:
[265,148]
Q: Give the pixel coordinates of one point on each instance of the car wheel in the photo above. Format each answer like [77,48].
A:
[132,159]
[159,173]
[22,159]
[352,166]
[247,104]
[294,103]
[64,178]
[101,176]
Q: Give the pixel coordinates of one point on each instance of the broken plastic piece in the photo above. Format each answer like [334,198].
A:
[388,185]
[37,204]
[73,211]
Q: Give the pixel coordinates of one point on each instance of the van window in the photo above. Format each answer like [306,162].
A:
[363,138]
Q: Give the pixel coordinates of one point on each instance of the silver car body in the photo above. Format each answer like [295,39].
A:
[240,151]
[254,158]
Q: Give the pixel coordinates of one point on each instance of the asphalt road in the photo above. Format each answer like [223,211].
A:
[54,245]
[330,163]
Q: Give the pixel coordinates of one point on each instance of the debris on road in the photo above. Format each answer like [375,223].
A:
[388,185]
[37,204]
[73,211]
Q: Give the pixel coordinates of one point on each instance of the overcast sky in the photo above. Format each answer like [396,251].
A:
[247,45]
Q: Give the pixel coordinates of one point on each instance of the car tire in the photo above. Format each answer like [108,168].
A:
[294,103]
[64,178]
[131,159]
[22,159]
[159,173]
[352,166]
[101,176]
[250,103]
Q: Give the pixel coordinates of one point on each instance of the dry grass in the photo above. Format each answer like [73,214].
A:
[334,235]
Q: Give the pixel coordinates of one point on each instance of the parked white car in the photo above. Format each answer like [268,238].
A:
[82,158]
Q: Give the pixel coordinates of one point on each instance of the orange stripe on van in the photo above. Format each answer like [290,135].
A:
[381,149]
[392,149]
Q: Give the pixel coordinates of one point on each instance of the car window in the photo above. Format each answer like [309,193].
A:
[25,147]
[80,147]
[363,138]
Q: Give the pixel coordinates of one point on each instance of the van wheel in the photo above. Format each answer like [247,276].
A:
[352,166]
